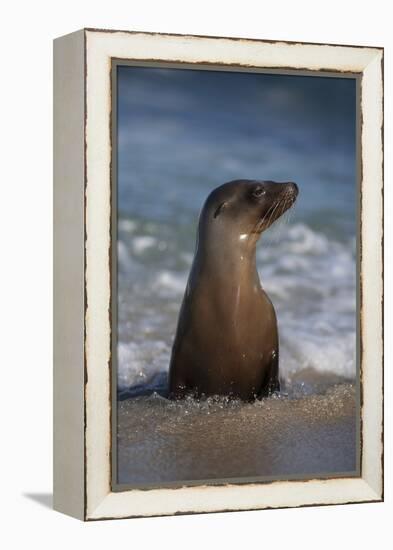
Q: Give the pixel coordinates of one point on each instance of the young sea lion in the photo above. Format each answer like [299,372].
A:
[227,341]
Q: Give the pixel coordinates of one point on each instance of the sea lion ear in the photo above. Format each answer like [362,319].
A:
[219,209]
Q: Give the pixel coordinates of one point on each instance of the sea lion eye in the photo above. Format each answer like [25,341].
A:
[259,192]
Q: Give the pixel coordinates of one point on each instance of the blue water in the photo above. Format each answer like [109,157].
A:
[180,134]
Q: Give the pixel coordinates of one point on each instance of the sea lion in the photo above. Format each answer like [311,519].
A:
[226,341]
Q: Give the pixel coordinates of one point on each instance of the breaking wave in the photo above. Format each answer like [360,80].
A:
[310,278]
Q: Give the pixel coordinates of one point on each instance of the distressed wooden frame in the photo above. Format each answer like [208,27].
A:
[82,272]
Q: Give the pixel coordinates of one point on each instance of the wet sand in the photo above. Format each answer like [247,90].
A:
[173,442]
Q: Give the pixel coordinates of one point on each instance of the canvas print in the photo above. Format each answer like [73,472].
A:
[235,353]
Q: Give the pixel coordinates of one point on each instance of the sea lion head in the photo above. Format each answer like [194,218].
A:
[246,208]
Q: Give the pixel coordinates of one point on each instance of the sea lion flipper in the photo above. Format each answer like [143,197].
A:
[271,383]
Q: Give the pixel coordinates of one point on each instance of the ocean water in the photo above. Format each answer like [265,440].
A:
[309,277]
[181,134]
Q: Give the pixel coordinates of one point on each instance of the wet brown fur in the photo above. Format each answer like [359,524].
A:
[227,340]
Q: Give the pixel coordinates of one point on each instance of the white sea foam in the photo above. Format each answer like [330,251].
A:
[302,240]
[309,277]
[123,257]
[139,362]
[187,257]
[140,244]
[171,282]
[127,225]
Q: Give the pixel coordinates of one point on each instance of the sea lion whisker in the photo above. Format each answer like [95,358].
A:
[285,203]
[282,205]
[269,213]
[259,223]
[273,212]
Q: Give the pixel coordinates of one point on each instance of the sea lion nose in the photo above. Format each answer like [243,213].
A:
[295,188]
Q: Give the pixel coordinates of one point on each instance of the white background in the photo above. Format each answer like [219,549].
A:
[26,271]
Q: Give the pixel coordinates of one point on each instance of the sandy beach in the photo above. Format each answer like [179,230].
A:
[164,442]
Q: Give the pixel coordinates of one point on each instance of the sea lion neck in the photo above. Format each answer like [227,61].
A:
[229,257]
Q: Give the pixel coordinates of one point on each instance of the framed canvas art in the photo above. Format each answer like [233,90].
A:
[218,274]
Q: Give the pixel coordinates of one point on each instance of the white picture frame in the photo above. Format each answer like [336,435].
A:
[82,258]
